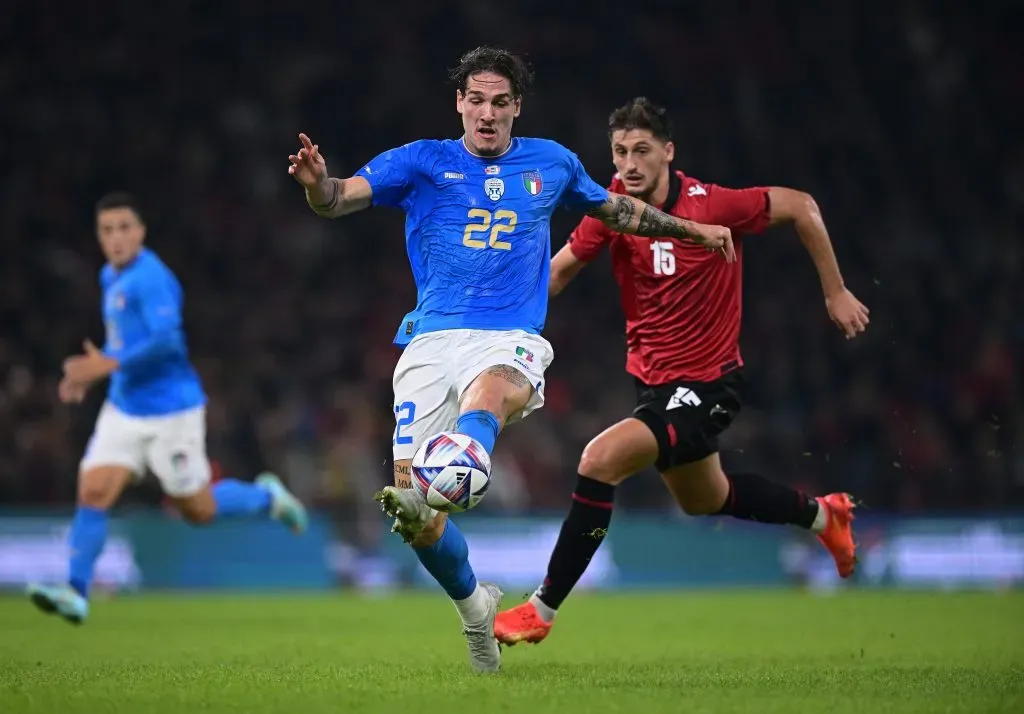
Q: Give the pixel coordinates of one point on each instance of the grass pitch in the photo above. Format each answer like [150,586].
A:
[757,652]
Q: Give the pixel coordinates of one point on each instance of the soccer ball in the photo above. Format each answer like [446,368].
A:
[452,472]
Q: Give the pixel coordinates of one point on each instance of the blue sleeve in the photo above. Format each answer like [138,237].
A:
[161,313]
[392,175]
[581,192]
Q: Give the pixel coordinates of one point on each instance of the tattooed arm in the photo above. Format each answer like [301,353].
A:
[626,214]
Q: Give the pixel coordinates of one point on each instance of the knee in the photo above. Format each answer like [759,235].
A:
[431,532]
[198,516]
[492,401]
[197,510]
[93,495]
[97,490]
[501,390]
[598,462]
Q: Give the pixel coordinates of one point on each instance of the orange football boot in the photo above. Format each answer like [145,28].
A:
[521,623]
[838,534]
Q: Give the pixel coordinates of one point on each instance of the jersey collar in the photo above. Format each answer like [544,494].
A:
[121,270]
[462,143]
[675,187]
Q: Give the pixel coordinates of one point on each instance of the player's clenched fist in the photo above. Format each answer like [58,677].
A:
[717,238]
[308,166]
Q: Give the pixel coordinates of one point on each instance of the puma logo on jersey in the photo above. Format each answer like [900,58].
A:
[454,175]
[697,190]
[681,397]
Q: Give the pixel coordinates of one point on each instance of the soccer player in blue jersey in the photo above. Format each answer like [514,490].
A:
[154,415]
[478,212]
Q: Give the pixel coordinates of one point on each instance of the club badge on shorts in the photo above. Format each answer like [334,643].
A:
[179,461]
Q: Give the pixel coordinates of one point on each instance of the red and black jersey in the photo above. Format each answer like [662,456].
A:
[682,303]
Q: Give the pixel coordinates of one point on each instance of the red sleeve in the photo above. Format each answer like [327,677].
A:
[743,211]
[590,236]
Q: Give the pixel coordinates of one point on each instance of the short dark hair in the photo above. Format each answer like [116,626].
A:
[491,59]
[119,199]
[641,113]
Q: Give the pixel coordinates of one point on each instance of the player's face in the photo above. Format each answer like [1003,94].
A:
[121,234]
[641,160]
[487,110]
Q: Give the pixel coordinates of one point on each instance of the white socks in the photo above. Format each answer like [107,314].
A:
[820,520]
[473,610]
[546,613]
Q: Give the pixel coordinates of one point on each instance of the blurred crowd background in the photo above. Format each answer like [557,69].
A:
[893,115]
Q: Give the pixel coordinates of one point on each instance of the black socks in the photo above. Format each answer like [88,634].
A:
[754,498]
[582,533]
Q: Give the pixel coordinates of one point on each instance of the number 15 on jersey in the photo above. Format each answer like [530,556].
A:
[484,222]
[664,258]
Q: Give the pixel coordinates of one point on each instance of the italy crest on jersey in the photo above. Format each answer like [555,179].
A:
[532,182]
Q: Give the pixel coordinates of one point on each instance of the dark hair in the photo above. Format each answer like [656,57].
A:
[490,59]
[641,113]
[119,199]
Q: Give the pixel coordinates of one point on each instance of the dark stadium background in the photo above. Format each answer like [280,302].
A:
[901,117]
[895,116]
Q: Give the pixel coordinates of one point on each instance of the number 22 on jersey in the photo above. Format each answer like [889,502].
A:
[484,222]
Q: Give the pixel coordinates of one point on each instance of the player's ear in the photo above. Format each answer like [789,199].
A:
[517,106]
[670,151]
[459,99]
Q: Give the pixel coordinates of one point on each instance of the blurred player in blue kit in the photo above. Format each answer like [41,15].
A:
[478,212]
[154,416]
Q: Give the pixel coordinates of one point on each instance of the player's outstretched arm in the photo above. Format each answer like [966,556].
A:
[788,205]
[626,214]
[339,197]
[328,197]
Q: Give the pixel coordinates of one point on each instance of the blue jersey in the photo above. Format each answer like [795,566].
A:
[478,229]
[142,304]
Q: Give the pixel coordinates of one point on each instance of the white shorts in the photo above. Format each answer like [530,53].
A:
[437,367]
[172,446]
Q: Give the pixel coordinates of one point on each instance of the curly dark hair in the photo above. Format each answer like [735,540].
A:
[491,59]
[641,113]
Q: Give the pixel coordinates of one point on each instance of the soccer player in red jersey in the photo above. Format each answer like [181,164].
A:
[682,307]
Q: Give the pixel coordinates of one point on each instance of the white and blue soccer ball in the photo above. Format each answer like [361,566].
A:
[451,471]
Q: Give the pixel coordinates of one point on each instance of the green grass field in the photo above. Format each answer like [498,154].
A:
[723,652]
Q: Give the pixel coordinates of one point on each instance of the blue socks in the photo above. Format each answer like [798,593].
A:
[448,561]
[237,498]
[88,534]
[481,425]
[89,527]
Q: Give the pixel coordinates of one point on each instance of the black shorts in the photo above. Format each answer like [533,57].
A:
[687,417]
